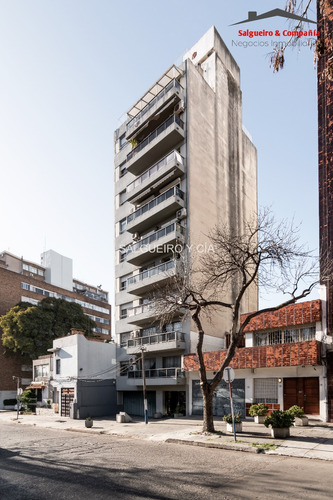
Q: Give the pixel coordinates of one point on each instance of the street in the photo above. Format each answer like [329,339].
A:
[38,464]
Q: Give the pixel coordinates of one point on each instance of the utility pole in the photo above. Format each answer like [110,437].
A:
[17,395]
[145,402]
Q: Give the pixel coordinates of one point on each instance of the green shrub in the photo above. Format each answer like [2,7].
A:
[228,418]
[279,419]
[259,410]
[296,411]
[9,402]
[29,400]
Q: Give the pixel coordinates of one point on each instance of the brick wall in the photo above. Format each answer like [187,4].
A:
[325,142]
[296,314]
[270,356]
[10,295]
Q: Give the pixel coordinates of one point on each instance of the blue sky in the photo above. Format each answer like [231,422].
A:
[71,68]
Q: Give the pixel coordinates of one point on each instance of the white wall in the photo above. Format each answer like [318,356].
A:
[84,358]
[58,269]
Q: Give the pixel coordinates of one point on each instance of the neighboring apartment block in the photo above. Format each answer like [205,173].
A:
[283,363]
[183,163]
[21,280]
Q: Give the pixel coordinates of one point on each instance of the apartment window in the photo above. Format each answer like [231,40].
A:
[123,309]
[123,282]
[122,197]
[266,390]
[122,141]
[122,170]
[122,226]
[172,362]
[40,272]
[122,255]
[25,286]
[58,366]
[123,368]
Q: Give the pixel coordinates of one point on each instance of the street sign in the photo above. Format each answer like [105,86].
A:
[228,374]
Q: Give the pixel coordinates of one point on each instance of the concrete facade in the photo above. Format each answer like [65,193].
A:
[182,165]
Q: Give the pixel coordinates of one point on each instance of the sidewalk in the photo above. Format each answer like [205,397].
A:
[313,441]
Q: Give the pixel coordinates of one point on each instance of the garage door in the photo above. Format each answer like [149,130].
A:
[221,404]
[67,397]
[303,392]
[133,403]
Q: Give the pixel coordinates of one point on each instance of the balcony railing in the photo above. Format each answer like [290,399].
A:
[161,268]
[155,168]
[151,238]
[158,373]
[173,83]
[143,308]
[159,338]
[174,191]
[170,121]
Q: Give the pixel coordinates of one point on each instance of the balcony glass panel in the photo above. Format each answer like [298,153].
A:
[173,83]
[174,191]
[155,236]
[158,338]
[170,121]
[155,168]
[151,272]
[158,373]
[140,309]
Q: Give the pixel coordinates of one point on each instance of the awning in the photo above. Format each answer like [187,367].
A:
[36,386]
[169,75]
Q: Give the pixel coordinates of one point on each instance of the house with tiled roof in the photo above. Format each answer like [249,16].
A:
[281,362]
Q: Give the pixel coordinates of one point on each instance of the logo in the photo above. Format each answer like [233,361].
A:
[252,16]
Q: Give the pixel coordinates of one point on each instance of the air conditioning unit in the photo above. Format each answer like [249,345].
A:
[181,214]
[180,107]
[136,237]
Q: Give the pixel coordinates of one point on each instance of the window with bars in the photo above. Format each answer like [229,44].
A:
[266,390]
[285,336]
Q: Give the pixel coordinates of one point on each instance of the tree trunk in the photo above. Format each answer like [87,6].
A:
[208,419]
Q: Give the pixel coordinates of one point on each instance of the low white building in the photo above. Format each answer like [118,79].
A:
[79,376]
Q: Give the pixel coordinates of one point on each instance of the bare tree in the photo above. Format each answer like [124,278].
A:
[321,48]
[266,254]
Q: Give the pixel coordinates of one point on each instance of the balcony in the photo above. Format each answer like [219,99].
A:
[266,356]
[159,242]
[171,94]
[141,314]
[143,282]
[157,176]
[160,208]
[159,376]
[167,341]
[156,144]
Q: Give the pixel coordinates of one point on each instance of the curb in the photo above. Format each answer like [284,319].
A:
[224,446]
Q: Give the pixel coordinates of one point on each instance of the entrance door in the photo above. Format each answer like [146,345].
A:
[303,392]
[173,400]
[67,397]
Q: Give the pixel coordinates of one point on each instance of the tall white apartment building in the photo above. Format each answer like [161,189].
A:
[183,163]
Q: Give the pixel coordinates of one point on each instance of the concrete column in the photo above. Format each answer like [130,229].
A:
[159,401]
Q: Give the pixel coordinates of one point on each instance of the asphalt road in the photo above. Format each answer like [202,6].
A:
[38,464]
